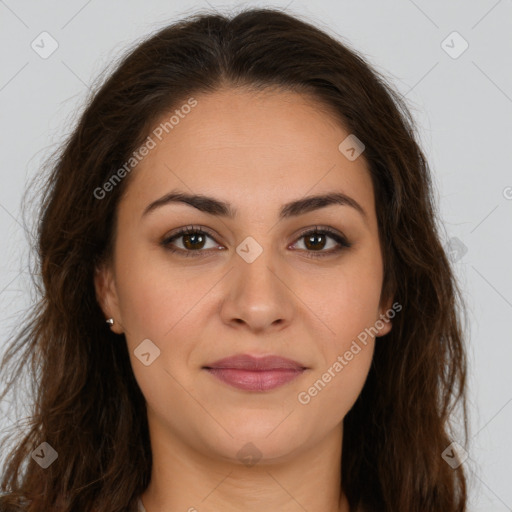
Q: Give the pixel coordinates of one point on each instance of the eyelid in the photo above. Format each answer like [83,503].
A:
[336,235]
[322,229]
[186,230]
[190,229]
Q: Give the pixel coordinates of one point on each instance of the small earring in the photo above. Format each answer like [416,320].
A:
[110,321]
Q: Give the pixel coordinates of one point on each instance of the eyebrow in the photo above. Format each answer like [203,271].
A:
[220,208]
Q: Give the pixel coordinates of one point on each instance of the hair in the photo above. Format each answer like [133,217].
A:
[87,404]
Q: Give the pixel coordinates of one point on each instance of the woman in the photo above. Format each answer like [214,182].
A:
[245,205]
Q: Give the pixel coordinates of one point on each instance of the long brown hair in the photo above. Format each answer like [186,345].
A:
[87,404]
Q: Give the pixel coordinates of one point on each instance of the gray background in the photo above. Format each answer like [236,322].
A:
[462,106]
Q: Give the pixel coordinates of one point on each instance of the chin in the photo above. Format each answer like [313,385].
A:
[252,444]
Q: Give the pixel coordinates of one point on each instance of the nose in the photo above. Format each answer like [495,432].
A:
[257,296]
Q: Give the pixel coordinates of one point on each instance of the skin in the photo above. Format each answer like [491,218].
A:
[256,151]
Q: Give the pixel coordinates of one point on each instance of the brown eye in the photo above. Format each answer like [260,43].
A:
[194,241]
[191,239]
[316,240]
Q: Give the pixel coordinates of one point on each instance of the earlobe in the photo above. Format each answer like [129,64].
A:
[384,325]
[106,295]
[384,322]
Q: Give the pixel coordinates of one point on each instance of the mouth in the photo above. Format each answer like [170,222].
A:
[255,374]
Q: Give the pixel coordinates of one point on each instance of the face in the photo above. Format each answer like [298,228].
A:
[260,275]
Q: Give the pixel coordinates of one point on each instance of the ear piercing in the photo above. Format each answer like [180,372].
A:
[110,321]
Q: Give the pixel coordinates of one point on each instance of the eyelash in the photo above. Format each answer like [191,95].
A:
[196,230]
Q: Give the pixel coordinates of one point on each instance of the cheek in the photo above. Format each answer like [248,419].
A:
[167,306]
[163,309]
[347,298]
[152,296]
[330,393]
[350,311]
[349,307]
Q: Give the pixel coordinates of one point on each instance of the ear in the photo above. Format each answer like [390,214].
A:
[106,295]
[387,311]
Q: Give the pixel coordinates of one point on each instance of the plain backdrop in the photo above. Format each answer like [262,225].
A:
[452,62]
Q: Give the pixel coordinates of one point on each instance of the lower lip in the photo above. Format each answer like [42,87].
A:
[262,380]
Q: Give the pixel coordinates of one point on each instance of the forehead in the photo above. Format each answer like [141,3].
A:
[264,146]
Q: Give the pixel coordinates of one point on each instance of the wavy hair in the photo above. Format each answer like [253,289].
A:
[86,401]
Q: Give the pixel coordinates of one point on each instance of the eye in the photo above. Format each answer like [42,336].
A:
[316,240]
[194,238]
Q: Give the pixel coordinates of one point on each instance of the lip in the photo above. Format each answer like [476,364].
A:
[248,362]
[255,373]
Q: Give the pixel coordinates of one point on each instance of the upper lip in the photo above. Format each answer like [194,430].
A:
[247,362]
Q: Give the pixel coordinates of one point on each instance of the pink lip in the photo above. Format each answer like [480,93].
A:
[255,374]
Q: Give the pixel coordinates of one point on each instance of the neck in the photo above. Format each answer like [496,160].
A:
[185,479]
